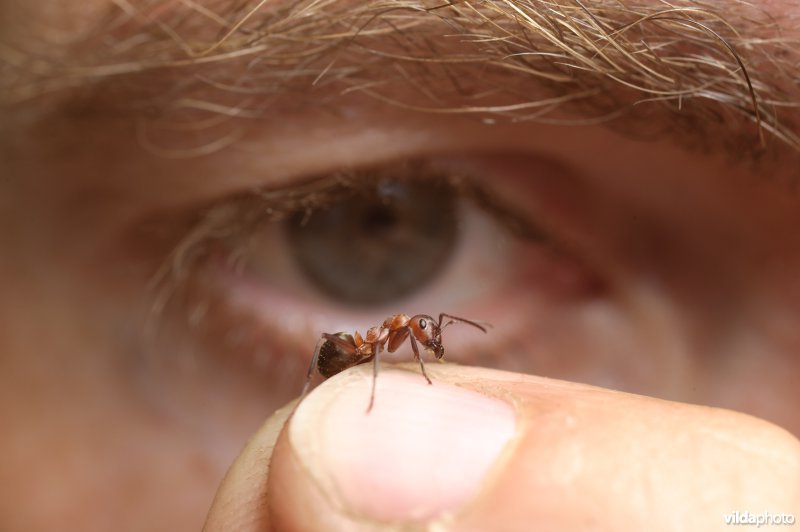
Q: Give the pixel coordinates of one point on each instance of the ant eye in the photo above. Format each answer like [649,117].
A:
[423,323]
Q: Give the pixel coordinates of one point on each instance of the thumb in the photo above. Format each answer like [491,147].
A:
[491,450]
[241,502]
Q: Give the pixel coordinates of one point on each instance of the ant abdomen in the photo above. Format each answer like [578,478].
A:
[334,359]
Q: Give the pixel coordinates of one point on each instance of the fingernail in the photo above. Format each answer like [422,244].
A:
[422,451]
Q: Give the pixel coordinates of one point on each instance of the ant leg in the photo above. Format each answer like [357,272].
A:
[376,350]
[419,358]
[456,319]
[311,367]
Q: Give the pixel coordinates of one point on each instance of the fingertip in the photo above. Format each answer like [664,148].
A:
[421,452]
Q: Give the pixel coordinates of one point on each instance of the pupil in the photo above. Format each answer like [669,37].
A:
[375,247]
[378,221]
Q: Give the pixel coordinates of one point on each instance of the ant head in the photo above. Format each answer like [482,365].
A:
[426,331]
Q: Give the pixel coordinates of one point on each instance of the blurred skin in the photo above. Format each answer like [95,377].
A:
[699,305]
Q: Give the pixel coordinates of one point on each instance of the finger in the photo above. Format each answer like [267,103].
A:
[489,450]
[241,501]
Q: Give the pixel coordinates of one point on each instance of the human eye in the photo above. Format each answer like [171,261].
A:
[261,273]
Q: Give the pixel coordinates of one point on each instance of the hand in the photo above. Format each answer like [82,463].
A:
[489,450]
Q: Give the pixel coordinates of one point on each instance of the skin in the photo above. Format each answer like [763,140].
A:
[699,475]
[697,252]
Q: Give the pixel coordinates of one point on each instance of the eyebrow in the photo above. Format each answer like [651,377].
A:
[721,77]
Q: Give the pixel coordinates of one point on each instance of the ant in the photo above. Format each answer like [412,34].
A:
[337,352]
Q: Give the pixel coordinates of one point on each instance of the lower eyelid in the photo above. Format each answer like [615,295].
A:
[277,323]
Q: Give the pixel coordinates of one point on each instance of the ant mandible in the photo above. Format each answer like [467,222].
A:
[337,352]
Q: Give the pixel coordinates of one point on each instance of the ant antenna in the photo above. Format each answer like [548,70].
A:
[455,319]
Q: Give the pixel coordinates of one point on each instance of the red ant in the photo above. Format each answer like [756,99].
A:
[337,352]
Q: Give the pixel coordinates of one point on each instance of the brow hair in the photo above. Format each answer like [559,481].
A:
[685,67]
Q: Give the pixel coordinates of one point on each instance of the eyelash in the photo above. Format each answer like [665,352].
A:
[229,220]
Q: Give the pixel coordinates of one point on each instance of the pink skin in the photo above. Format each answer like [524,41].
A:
[699,300]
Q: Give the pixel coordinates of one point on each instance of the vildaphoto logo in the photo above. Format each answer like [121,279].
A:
[759,519]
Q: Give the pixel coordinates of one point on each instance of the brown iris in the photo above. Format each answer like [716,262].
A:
[378,244]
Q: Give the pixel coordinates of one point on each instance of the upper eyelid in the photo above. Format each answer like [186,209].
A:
[271,158]
[276,203]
